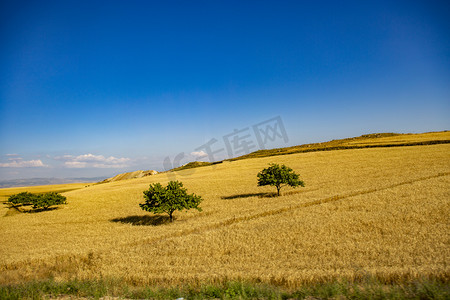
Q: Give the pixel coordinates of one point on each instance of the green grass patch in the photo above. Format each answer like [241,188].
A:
[370,289]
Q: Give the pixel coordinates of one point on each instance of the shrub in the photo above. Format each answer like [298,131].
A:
[44,201]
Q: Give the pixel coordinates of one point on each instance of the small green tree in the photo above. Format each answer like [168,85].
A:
[279,176]
[159,199]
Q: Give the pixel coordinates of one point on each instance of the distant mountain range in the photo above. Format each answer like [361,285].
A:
[46,181]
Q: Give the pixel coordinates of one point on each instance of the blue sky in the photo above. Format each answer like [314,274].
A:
[93,88]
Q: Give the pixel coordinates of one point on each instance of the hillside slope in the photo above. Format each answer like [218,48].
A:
[374,140]
[130,175]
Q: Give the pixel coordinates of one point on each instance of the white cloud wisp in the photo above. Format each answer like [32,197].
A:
[19,163]
[93,161]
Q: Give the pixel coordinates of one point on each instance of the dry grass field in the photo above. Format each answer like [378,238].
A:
[381,212]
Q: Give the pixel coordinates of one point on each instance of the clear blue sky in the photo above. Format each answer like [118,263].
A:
[93,88]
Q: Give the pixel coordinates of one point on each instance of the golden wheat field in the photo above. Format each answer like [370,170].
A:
[383,212]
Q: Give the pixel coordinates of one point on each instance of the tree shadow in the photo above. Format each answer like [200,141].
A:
[145,220]
[37,210]
[263,195]
[260,195]
[14,210]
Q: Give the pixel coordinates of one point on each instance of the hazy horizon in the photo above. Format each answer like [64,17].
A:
[89,89]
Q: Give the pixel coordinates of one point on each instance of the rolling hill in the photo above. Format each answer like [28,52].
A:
[130,175]
[374,140]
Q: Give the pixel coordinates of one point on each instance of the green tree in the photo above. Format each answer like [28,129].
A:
[279,176]
[159,199]
[38,201]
